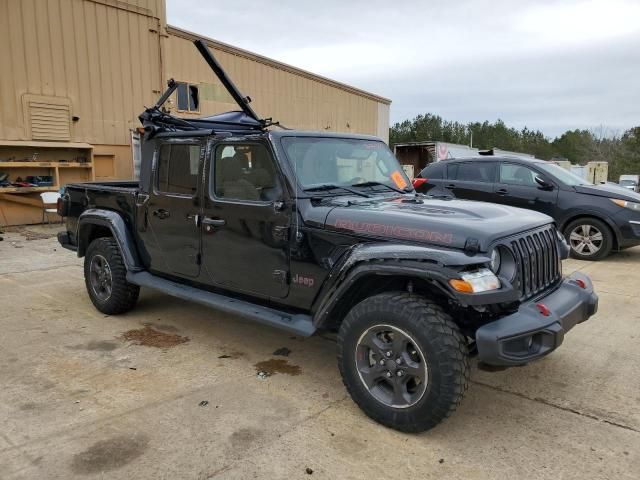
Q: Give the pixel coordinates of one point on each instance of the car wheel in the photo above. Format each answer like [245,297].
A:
[105,277]
[589,239]
[403,361]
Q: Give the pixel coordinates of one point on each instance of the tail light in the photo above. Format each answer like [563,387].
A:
[418,182]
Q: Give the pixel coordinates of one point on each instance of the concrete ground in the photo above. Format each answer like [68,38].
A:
[79,400]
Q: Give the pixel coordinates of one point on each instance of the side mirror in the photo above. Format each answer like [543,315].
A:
[543,184]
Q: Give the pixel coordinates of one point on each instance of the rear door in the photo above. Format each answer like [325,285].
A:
[517,187]
[245,224]
[472,180]
[172,209]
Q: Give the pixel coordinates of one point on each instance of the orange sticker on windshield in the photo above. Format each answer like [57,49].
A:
[398,179]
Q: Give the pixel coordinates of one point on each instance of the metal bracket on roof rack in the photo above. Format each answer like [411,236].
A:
[156,120]
[241,100]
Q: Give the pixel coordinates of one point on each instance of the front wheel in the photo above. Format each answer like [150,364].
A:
[403,361]
[105,277]
[589,239]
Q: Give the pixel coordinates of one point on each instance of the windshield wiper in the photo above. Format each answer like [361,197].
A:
[333,186]
[375,184]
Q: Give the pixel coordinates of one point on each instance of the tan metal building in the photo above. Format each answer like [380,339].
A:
[81,71]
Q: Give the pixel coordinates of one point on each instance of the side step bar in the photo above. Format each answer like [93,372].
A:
[299,324]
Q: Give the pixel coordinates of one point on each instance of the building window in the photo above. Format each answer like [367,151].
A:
[188,98]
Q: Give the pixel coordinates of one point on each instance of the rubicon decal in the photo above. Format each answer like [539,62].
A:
[398,231]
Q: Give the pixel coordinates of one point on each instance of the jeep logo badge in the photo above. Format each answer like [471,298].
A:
[306,281]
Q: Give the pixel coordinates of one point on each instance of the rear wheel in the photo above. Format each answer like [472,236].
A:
[403,361]
[589,239]
[105,277]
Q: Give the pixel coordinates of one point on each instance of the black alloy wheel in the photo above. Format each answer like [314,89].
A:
[100,278]
[391,366]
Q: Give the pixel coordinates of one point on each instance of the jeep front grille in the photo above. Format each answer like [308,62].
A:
[537,261]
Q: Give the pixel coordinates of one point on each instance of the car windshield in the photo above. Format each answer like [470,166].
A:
[628,183]
[563,175]
[321,162]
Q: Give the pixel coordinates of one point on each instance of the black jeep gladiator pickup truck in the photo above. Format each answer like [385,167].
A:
[306,231]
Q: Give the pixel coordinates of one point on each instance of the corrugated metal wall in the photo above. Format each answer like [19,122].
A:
[102,56]
[295,98]
[103,60]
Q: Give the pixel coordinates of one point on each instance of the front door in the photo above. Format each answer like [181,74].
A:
[245,223]
[517,187]
[172,210]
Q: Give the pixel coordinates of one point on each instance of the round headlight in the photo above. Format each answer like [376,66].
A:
[505,262]
[495,260]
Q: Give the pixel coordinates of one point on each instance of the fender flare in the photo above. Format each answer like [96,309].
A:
[435,265]
[119,230]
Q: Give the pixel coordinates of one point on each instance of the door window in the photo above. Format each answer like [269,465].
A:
[434,171]
[513,174]
[178,168]
[479,171]
[245,172]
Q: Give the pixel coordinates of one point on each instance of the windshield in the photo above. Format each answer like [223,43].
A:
[322,161]
[563,175]
[628,183]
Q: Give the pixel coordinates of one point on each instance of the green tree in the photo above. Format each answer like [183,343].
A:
[578,146]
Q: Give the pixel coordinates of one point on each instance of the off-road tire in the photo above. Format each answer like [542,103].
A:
[123,295]
[439,339]
[607,238]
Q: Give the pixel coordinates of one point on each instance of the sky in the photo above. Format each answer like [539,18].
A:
[548,65]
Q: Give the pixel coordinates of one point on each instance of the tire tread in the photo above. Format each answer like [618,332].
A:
[451,357]
[124,295]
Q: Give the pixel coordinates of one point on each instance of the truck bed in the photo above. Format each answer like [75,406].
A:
[116,196]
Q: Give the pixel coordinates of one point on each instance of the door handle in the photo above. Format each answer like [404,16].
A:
[161,213]
[211,223]
[451,185]
[214,222]
[502,191]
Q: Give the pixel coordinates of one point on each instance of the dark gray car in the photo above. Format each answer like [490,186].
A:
[595,219]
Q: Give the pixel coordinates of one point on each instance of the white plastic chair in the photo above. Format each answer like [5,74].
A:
[48,199]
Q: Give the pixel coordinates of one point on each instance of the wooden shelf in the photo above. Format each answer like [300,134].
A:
[44,164]
[58,145]
[28,189]
[65,162]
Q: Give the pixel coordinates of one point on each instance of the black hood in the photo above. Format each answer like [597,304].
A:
[610,191]
[441,222]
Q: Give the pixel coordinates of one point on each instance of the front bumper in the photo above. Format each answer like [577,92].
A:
[627,226]
[528,334]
